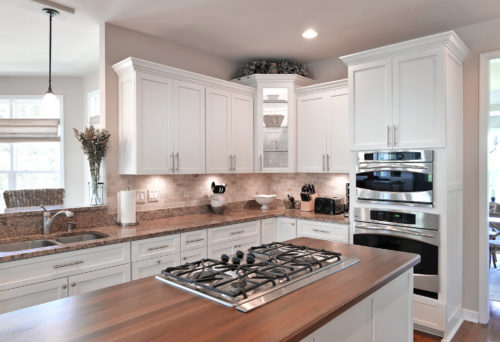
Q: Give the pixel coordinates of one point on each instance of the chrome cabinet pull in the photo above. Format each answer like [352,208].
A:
[177,157]
[184,258]
[173,161]
[73,284]
[321,231]
[234,162]
[261,163]
[64,286]
[323,162]
[327,162]
[158,261]
[398,231]
[394,135]
[159,247]
[69,264]
[388,136]
[238,232]
[230,162]
[193,241]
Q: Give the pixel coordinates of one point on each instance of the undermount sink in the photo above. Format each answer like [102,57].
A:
[23,245]
[81,237]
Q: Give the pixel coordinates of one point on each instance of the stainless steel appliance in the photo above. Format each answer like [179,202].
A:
[405,231]
[403,177]
[249,280]
[328,205]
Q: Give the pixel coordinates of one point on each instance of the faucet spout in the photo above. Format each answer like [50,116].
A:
[47,220]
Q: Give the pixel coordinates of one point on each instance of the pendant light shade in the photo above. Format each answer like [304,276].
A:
[50,103]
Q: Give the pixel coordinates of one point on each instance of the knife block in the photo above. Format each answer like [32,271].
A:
[309,205]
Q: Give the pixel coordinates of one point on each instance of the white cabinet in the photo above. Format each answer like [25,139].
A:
[215,251]
[96,280]
[188,129]
[275,120]
[233,232]
[154,247]
[24,296]
[397,93]
[322,126]
[229,132]
[286,229]
[194,240]
[153,266]
[162,124]
[268,230]
[323,230]
[193,255]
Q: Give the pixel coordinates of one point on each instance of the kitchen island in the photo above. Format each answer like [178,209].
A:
[371,300]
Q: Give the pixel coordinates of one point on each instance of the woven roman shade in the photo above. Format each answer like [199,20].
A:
[16,130]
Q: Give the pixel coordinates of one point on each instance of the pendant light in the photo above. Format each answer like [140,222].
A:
[50,103]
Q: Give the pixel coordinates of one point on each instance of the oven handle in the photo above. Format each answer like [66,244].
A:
[387,167]
[428,238]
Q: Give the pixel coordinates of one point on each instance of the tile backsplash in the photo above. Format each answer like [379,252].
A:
[194,190]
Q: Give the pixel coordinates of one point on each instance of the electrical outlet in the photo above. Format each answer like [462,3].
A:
[152,195]
[140,196]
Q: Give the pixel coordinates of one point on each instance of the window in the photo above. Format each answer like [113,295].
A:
[93,107]
[28,163]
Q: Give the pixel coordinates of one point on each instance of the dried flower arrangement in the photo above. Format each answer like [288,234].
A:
[94,144]
[264,67]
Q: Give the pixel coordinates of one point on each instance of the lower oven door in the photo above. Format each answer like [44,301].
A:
[395,182]
[424,242]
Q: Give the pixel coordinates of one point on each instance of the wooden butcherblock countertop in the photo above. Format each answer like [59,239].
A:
[149,310]
[160,227]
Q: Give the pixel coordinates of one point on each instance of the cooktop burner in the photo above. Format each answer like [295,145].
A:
[248,280]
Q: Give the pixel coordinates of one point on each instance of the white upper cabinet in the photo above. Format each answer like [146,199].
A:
[275,120]
[397,93]
[322,128]
[189,128]
[163,127]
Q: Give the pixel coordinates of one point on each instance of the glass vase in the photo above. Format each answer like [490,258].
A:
[96,193]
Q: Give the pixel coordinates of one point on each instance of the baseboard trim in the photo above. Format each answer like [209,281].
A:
[471,315]
[457,316]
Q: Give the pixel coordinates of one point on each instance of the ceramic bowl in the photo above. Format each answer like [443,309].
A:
[273,120]
[264,200]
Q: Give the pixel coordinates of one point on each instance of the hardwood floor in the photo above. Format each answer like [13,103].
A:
[471,332]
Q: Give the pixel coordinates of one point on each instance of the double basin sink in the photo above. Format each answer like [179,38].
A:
[55,241]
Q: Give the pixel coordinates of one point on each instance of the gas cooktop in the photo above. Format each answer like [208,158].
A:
[264,273]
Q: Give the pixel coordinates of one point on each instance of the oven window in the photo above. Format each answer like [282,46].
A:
[428,253]
[395,181]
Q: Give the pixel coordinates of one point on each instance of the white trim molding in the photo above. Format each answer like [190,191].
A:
[484,58]
[471,315]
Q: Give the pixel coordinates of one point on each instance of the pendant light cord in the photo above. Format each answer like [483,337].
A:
[50,53]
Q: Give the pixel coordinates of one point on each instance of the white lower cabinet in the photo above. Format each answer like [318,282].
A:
[286,229]
[96,280]
[268,230]
[193,255]
[24,296]
[323,230]
[151,267]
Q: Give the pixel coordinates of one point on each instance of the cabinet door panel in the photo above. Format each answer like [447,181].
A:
[218,109]
[370,89]
[153,105]
[268,230]
[242,132]
[216,251]
[339,159]
[312,113]
[22,297]
[100,279]
[189,132]
[419,100]
[193,255]
[287,229]
[151,267]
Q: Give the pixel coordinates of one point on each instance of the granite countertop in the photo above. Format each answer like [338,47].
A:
[160,227]
[149,310]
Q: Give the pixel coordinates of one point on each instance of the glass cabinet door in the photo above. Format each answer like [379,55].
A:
[275,121]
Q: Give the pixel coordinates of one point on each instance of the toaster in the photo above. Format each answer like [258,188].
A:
[328,205]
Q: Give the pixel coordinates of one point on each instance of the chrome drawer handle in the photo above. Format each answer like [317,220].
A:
[73,284]
[159,247]
[65,287]
[69,264]
[321,231]
[238,232]
[193,241]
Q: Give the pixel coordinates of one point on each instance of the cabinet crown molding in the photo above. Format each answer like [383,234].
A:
[130,64]
[252,80]
[448,39]
[339,85]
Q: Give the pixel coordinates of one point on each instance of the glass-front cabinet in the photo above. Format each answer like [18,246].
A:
[275,120]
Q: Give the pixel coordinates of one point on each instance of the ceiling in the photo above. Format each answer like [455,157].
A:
[233,29]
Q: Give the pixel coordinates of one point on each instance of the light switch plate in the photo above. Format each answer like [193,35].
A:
[140,196]
[152,195]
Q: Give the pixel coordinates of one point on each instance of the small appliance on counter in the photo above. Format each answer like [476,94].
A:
[308,196]
[126,215]
[328,205]
[218,200]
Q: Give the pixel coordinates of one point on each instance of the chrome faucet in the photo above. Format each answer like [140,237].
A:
[47,220]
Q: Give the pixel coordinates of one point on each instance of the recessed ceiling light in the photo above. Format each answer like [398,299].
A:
[309,34]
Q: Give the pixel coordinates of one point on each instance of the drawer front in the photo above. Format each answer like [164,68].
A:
[214,252]
[194,240]
[28,271]
[151,267]
[233,232]
[96,280]
[245,244]
[151,248]
[323,231]
[24,296]
[193,255]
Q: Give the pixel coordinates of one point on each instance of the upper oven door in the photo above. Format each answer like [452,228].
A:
[395,182]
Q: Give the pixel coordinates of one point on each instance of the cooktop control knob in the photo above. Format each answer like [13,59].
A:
[236,260]
[250,260]
[240,254]
[224,258]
